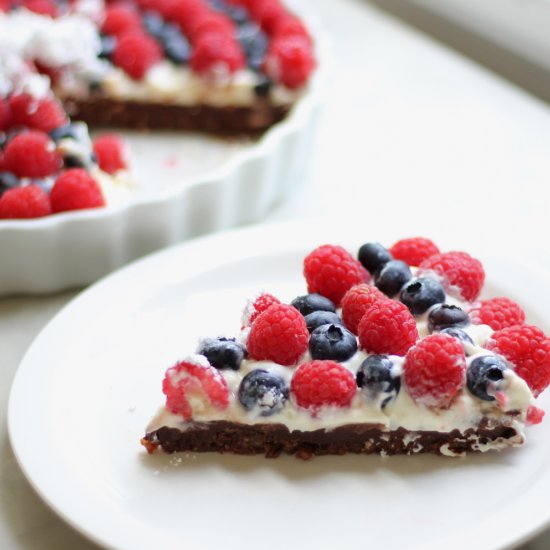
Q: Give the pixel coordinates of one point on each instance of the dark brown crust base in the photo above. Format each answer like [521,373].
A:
[275,439]
[228,121]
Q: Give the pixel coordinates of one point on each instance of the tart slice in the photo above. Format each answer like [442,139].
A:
[381,356]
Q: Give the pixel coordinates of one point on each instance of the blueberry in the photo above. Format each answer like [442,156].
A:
[8,181]
[392,277]
[264,391]
[254,44]
[374,257]
[222,353]
[263,86]
[176,47]
[153,23]
[319,318]
[332,342]
[238,14]
[421,294]
[312,302]
[108,45]
[76,130]
[74,161]
[484,374]
[377,378]
[463,336]
[445,316]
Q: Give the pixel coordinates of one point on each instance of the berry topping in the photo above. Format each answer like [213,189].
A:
[312,302]
[31,154]
[392,277]
[421,294]
[259,305]
[322,383]
[444,316]
[216,55]
[459,270]
[191,382]
[528,349]
[379,379]
[254,43]
[42,7]
[5,115]
[75,189]
[8,181]
[119,19]
[413,251]
[534,415]
[43,114]
[135,53]
[387,327]
[111,153]
[332,271]
[222,353]
[373,256]
[485,375]
[278,334]
[263,391]
[30,201]
[356,302]
[462,335]
[77,131]
[319,318]
[434,370]
[176,47]
[498,313]
[332,342]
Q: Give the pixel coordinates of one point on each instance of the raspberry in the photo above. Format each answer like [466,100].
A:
[75,189]
[44,114]
[460,270]
[120,19]
[268,13]
[290,26]
[32,154]
[5,115]
[259,305]
[387,327]
[210,23]
[289,60]
[413,251]
[434,370]
[356,302]
[136,52]
[528,349]
[111,153]
[323,383]
[30,201]
[195,380]
[331,271]
[278,334]
[534,415]
[42,7]
[216,52]
[184,12]
[498,313]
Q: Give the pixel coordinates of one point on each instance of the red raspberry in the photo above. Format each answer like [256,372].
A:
[30,201]
[5,115]
[498,313]
[111,153]
[214,52]
[119,19]
[268,13]
[259,305]
[323,383]
[75,189]
[44,114]
[278,334]
[194,378]
[32,154]
[289,60]
[387,327]
[136,52]
[355,303]
[42,7]
[434,370]
[528,349]
[291,26]
[210,23]
[331,271]
[460,270]
[186,13]
[534,415]
[4,5]
[413,251]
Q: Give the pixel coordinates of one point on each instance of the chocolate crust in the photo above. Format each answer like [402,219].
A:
[275,439]
[227,121]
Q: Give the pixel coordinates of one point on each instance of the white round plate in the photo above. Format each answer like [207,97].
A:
[91,381]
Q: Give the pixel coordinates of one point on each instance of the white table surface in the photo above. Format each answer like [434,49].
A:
[413,135]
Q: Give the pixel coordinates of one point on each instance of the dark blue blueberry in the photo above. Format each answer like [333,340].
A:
[312,302]
[263,391]
[332,342]
[463,336]
[74,161]
[445,316]
[8,181]
[319,318]
[153,23]
[222,353]
[374,257]
[421,294]
[254,43]
[263,86]
[108,46]
[392,277]
[485,374]
[76,130]
[238,14]
[3,139]
[176,47]
[376,377]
